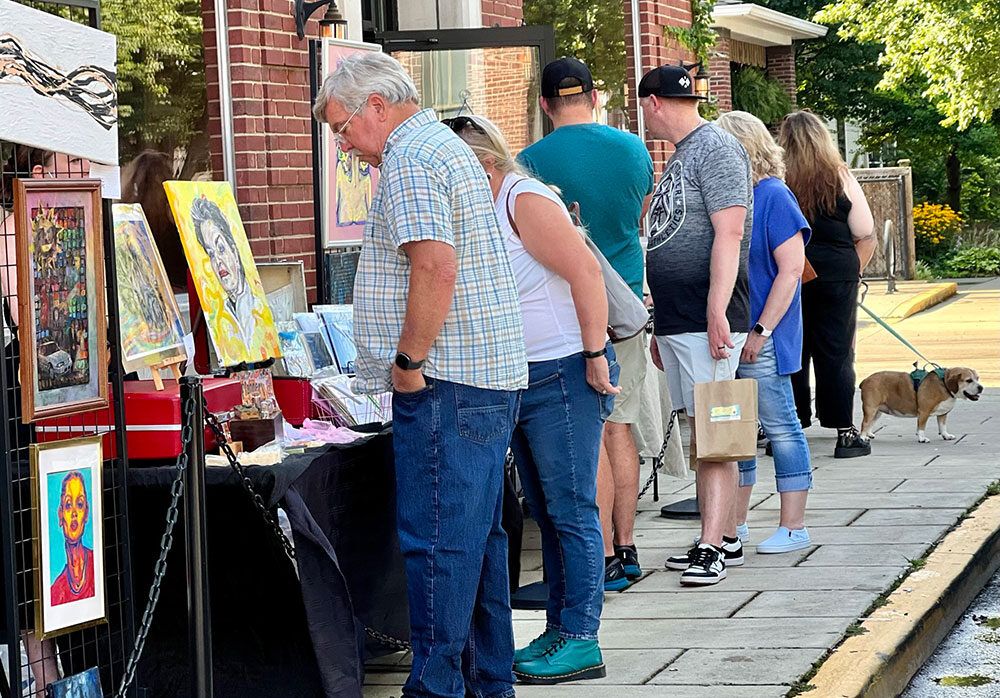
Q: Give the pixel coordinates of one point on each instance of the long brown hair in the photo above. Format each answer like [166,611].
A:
[812,164]
[142,183]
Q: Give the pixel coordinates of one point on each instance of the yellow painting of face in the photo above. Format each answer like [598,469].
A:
[239,320]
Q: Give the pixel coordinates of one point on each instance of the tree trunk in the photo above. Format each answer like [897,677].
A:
[953,168]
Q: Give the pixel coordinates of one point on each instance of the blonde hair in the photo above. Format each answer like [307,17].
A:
[766,156]
[489,144]
[813,165]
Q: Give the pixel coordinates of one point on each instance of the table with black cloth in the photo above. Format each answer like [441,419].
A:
[271,634]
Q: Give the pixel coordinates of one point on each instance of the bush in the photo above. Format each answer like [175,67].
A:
[763,96]
[935,228]
[972,261]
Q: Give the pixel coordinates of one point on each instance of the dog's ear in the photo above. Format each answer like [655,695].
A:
[953,378]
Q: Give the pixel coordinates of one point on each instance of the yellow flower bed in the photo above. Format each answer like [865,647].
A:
[935,226]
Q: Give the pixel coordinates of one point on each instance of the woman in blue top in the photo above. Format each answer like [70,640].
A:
[773,350]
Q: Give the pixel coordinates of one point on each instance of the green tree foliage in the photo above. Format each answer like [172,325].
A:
[591,30]
[950,47]
[762,96]
[161,72]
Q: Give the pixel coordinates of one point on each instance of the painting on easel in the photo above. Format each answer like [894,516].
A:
[151,330]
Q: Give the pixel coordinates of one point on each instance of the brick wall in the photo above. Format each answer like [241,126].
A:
[656,49]
[269,71]
[720,73]
[506,13]
[781,67]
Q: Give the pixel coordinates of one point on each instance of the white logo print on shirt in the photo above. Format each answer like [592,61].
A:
[668,209]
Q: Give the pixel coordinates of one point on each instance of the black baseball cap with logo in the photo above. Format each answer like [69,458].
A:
[668,81]
[565,77]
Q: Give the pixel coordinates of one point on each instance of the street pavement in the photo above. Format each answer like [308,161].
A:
[758,631]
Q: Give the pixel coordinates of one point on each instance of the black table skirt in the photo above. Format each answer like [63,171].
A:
[272,635]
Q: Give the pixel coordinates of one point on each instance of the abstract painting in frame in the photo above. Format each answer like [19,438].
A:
[68,535]
[348,183]
[60,291]
[150,320]
[60,76]
[232,297]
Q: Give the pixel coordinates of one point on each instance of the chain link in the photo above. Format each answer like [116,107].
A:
[286,545]
[166,543]
[658,461]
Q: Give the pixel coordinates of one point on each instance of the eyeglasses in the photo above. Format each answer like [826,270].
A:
[338,135]
[460,123]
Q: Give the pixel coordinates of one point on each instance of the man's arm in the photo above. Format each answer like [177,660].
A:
[725,267]
[433,268]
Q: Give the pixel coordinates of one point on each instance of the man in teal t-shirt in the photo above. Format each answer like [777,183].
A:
[610,174]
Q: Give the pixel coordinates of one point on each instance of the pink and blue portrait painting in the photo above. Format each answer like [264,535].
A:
[71,534]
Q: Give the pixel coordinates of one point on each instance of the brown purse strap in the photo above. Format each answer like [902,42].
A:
[510,218]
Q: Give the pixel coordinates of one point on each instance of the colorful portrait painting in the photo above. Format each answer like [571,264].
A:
[69,554]
[232,297]
[61,297]
[348,183]
[150,321]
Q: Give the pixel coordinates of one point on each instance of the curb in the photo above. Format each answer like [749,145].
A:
[924,300]
[903,634]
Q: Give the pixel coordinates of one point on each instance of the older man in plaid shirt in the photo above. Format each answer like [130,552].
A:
[437,318]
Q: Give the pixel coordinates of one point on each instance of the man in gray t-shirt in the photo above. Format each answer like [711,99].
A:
[700,218]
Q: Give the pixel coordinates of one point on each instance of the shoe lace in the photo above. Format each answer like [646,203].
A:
[555,647]
[543,639]
[702,557]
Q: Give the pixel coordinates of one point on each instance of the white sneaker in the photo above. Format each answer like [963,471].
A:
[732,550]
[742,532]
[707,566]
[785,541]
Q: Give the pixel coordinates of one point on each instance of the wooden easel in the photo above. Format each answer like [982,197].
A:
[172,363]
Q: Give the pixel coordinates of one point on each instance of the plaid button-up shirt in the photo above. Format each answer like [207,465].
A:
[431,187]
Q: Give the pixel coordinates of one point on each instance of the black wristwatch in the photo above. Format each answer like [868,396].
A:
[406,363]
[594,354]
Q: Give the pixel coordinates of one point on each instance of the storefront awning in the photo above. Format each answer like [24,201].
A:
[763,26]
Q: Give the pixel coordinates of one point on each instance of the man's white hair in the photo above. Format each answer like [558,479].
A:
[361,75]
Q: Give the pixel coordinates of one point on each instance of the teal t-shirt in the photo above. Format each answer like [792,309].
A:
[609,173]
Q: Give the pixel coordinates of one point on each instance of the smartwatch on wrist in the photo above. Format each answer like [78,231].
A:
[406,363]
[761,330]
[595,354]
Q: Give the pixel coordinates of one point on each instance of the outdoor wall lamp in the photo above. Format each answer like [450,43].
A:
[701,78]
[333,24]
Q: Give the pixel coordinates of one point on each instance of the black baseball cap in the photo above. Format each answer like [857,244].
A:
[566,76]
[668,81]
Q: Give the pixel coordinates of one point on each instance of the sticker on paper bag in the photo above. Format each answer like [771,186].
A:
[724,413]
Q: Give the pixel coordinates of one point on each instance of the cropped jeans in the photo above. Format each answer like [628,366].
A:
[776,411]
[556,444]
[450,444]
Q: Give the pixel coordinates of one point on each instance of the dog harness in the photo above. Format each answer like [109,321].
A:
[917,375]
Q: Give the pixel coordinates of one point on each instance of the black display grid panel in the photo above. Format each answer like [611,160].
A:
[106,646]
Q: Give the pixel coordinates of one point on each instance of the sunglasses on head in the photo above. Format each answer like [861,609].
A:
[460,123]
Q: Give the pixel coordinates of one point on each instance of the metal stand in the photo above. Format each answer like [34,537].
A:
[684,509]
[196,540]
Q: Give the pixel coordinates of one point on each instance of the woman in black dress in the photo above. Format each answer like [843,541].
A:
[842,244]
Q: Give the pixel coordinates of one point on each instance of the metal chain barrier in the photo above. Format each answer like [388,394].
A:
[286,545]
[658,461]
[166,543]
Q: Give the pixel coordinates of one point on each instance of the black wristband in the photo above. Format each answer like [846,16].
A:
[595,354]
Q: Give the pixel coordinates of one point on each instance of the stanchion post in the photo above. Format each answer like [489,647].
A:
[196,540]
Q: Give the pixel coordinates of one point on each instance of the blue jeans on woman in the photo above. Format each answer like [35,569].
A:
[450,444]
[776,411]
[556,444]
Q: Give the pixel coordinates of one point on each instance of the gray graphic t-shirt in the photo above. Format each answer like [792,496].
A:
[708,172]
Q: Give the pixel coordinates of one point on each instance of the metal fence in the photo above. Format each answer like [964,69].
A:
[889,191]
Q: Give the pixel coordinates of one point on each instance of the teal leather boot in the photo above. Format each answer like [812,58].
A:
[536,648]
[565,660]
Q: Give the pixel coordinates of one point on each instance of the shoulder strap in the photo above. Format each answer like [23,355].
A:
[510,218]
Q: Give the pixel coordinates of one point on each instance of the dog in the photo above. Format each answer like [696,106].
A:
[894,392]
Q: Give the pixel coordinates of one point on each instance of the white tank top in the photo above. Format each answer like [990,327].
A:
[551,328]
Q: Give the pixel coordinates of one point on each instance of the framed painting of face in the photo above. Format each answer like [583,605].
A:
[68,522]
[60,292]
[150,321]
[348,182]
[230,291]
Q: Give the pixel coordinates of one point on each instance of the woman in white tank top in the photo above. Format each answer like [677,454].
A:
[571,387]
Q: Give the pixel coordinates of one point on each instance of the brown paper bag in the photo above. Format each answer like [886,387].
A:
[725,414]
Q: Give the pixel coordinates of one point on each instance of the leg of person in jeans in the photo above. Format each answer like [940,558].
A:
[793,471]
[560,422]
[450,441]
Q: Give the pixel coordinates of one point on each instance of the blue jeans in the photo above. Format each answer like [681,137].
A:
[776,411]
[450,443]
[556,444]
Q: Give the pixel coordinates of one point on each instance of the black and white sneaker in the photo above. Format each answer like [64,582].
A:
[850,444]
[732,549]
[707,566]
